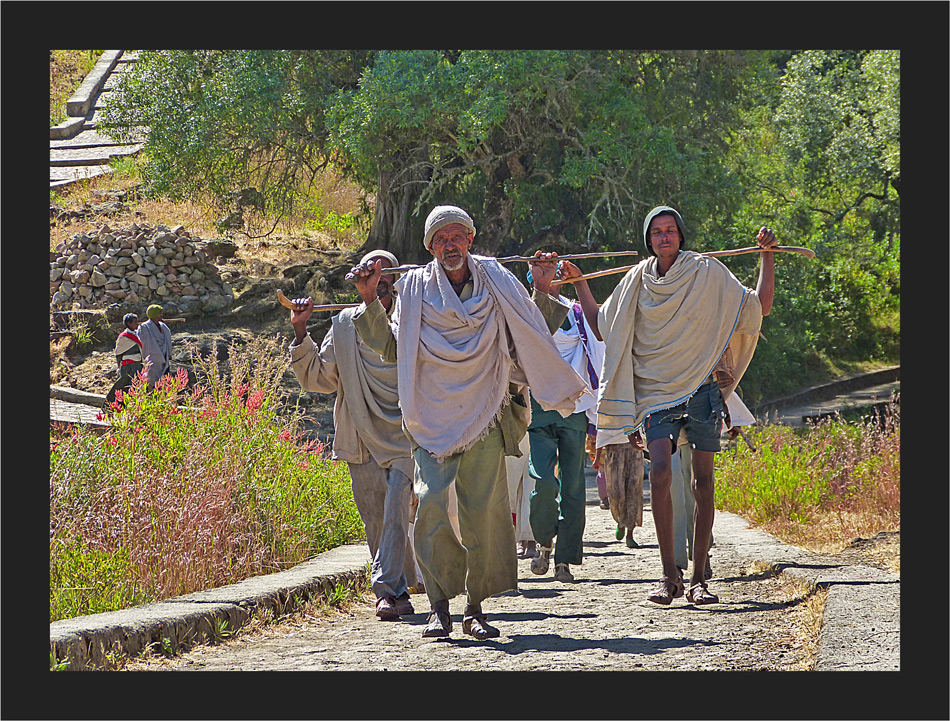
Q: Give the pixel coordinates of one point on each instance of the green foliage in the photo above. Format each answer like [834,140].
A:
[85,579]
[56,665]
[220,120]
[570,148]
[796,474]
[165,505]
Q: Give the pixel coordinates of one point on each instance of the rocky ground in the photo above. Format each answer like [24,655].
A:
[254,268]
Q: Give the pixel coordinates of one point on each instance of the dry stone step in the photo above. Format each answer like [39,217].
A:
[85,139]
[64,157]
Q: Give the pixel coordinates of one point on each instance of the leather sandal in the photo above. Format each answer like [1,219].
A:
[386,609]
[478,627]
[440,625]
[666,591]
[700,595]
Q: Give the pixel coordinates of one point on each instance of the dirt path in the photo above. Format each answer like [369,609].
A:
[600,622]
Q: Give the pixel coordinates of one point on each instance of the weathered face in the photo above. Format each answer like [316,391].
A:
[450,245]
[384,288]
[665,236]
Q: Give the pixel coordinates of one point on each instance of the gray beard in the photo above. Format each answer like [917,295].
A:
[457,266]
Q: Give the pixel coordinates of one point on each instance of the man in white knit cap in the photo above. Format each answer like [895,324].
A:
[368,435]
[680,331]
[470,341]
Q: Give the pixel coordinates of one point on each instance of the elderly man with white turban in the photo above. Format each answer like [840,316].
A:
[470,341]
[368,435]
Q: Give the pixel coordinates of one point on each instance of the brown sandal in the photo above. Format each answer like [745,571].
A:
[666,591]
[478,627]
[700,595]
[440,625]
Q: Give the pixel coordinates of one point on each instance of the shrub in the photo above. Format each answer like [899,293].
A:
[174,499]
[846,470]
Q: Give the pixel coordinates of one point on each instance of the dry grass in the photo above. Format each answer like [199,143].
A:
[801,625]
[67,70]
[834,532]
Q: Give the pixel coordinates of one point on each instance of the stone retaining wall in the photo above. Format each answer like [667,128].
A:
[134,267]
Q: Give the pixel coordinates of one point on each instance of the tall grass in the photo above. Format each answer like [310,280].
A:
[825,485]
[175,499]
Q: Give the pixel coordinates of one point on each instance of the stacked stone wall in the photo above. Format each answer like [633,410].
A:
[136,266]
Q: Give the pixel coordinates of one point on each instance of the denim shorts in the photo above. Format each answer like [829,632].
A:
[701,415]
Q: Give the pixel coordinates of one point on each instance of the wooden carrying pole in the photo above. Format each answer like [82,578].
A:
[516,258]
[807,252]
[287,303]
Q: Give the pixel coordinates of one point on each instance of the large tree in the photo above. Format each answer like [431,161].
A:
[545,147]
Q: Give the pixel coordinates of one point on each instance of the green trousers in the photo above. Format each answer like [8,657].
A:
[559,501]
[484,563]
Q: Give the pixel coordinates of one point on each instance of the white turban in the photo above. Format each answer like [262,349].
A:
[443,215]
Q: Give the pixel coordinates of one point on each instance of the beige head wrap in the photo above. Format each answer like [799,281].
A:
[443,215]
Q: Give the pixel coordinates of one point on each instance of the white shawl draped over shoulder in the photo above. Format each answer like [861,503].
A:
[665,334]
[582,355]
[456,358]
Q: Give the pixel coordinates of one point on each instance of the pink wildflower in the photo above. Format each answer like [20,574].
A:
[255,401]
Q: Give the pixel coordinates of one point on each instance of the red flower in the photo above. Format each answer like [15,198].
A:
[255,401]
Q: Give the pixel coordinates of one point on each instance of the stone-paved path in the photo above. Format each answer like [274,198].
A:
[600,622]
[77,149]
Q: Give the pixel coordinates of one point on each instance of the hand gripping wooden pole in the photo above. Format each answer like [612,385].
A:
[287,303]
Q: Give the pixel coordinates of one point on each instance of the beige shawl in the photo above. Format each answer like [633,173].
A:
[665,335]
[366,416]
[457,357]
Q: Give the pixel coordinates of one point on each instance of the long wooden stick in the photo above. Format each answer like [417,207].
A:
[807,252]
[516,258]
[575,256]
[287,303]
[608,271]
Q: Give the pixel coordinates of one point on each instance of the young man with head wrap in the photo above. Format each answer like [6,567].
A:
[666,326]
[368,435]
[156,344]
[470,341]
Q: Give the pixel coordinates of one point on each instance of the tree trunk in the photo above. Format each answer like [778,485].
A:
[497,214]
[395,228]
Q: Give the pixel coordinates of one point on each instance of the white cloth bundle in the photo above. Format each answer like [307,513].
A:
[573,349]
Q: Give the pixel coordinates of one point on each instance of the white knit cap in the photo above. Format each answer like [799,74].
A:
[380,254]
[443,215]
